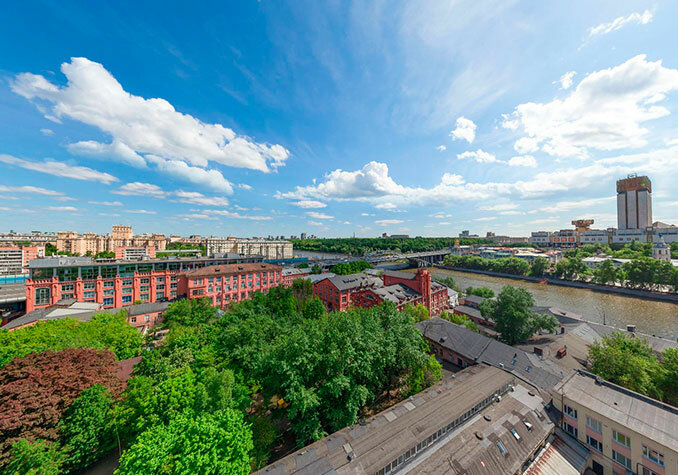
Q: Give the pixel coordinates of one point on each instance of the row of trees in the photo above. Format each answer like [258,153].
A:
[354,267]
[506,265]
[360,246]
[643,272]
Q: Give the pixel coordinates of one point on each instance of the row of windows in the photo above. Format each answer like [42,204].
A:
[618,437]
[391,467]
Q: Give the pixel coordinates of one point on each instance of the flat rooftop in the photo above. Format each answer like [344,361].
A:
[646,416]
[87,262]
[366,448]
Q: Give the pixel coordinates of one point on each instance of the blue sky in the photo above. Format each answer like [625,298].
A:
[333,118]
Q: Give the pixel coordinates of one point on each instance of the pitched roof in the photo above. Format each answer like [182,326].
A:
[400,275]
[396,293]
[226,269]
[354,281]
[480,348]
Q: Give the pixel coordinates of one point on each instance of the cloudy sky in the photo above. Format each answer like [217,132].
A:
[334,118]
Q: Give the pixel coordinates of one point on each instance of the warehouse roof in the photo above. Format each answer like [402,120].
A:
[368,447]
[227,269]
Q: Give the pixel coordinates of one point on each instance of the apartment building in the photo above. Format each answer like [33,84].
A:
[114,284]
[269,249]
[133,253]
[93,243]
[626,432]
[14,259]
[229,283]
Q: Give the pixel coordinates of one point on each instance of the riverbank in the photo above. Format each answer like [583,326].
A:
[636,293]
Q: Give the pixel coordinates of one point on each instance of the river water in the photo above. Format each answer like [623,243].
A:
[649,316]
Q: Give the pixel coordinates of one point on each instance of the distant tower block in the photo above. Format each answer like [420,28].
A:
[582,224]
[634,202]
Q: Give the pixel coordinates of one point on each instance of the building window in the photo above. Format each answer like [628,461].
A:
[144,288]
[42,296]
[173,293]
[109,284]
[89,285]
[67,288]
[622,460]
[147,318]
[126,299]
[653,455]
[570,430]
[594,424]
[88,273]
[126,282]
[108,302]
[173,285]
[569,411]
[159,280]
[127,290]
[197,281]
[621,439]
[595,443]
[108,272]
[109,292]
[144,297]
[133,319]
[160,287]
[88,295]
[145,281]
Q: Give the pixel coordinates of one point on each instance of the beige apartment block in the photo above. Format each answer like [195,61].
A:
[626,432]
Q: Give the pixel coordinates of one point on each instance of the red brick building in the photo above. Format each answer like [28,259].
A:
[469,307]
[290,274]
[361,290]
[226,284]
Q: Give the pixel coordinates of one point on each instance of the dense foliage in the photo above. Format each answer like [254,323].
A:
[460,320]
[216,442]
[505,265]
[485,292]
[630,362]
[103,331]
[37,390]
[360,246]
[215,395]
[512,314]
[346,268]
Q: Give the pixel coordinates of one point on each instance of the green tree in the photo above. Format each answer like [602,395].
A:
[209,443]
[641,272]
[189,313]
[50,249]
[669,383]
[354,267]
[484,292]
[316,269]
[513,316]
[85,428]
[303,265]
[539,266]
[104,330]
[40,457]
[606,272]
[417,313]
[628,362]
[461,320]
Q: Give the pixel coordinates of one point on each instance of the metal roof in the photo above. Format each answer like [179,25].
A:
[366,448]
[646,416]
[560,458]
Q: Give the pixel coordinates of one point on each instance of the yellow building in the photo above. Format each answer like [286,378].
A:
[626,432]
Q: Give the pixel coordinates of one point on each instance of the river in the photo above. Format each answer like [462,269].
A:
[319,255]
[649,316]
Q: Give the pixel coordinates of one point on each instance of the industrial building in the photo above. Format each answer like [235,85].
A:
[112,283]
[481,420]
[225,284]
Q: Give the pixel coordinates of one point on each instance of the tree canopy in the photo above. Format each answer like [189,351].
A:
[512,314]
[36,390]
[354,267]
[103,331]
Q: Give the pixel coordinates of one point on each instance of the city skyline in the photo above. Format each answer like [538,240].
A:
[318,119]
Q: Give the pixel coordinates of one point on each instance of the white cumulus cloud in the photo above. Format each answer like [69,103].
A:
[309,204]
[523,161]
[566,79]
[387,222]
[479,156]
[441,148]
[466,130]
[606,111]
[317,215]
